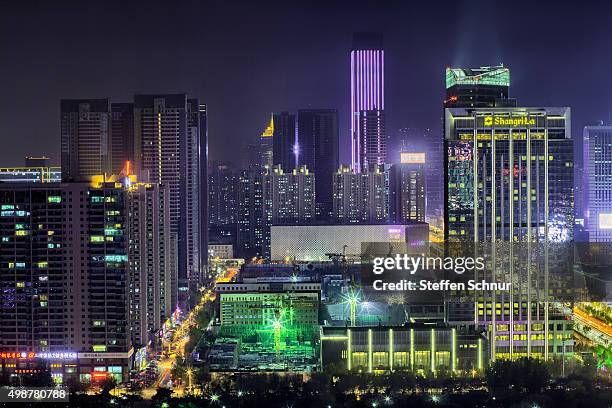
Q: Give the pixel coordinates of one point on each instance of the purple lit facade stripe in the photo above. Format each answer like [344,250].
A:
[367,94]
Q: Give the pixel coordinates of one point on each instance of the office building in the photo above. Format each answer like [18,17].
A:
[484,87]
[368,132]
[292,195]
[285,150]
[35,170]
[597,182]
[419,348]
[170,135]
[318,151]
[360,197]
[254,213]
[85,138]
[315,242]
[407,189]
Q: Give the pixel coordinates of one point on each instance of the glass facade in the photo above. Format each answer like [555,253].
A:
[509,175]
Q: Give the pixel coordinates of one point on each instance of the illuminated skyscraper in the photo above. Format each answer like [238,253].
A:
[169,144]
[254,213]
[85,138]
[266,145]
[509,175]
[509,183]
[318,151]
[360,198]
[407,189]
[369,137]
[292,195]
[597,182]
[284,140]
[484,87]
[222,203]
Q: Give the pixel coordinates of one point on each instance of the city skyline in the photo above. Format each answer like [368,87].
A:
[314,72]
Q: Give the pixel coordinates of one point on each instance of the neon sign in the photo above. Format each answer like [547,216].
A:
[30,355]
[508,121]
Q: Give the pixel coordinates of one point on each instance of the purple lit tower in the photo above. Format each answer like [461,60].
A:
[369,138]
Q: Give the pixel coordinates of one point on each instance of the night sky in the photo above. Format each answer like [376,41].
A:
[247,59]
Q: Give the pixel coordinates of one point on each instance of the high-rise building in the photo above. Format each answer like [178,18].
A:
[152,260]
[597,182]
[509,174]
[169,145]
[35,170]
[254,213]
[222,202]
[407,189]
[292,195]
[64,253]
[360,197]
[85,138]
[484,87]
[509,178]
[318,151]
[266,146]
[122,135]
[369,137]
[284,140]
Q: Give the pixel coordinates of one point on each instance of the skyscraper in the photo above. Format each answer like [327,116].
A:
[85,138]
[169,142]
[222,203]
[407,189]
[254,213]
[122,135]
[484,87]
[597,182]
[509,175]
[284,140]
[266,146]
[292,195]
[152,261]
[64,277]
[509,183]
[369,137]
[318,151]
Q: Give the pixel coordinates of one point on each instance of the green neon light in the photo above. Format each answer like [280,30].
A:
[412,349]
[335,338]
[350,356]
[479,354]
[433,350]
[496,76]
[454,344]
[391,349]
[369,350]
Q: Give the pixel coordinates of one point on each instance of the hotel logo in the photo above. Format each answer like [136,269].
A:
[519,121]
